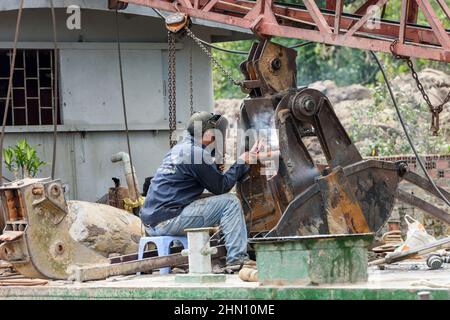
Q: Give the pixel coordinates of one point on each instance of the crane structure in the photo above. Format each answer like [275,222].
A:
[361,29]
[351,195]
[347,195]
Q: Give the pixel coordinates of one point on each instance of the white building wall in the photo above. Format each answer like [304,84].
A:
[91,105]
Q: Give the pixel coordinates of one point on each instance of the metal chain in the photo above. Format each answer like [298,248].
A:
[435,110]
[172,87]
[191,84]
[214,60]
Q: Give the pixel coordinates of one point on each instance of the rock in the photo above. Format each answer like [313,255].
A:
[338,94]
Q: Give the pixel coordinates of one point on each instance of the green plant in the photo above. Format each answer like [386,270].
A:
[22,160]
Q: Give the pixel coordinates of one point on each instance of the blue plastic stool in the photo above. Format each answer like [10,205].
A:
[162,244]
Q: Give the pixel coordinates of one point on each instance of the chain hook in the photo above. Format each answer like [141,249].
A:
[434,110]
[393,51]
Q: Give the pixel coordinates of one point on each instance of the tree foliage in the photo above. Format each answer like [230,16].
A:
[318,61]
[346,66]
[22,160]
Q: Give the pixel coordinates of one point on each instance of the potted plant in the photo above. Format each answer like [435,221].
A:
[22,160]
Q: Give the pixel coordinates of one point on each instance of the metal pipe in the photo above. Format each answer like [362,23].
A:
[133,189]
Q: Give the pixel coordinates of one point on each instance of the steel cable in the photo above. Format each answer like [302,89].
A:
[419,160]
[10,84]
[124,107]
[55,97]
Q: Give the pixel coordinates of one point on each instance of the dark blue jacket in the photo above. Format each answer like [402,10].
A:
[180,180]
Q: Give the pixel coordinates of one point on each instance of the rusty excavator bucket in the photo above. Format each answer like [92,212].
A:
[45,235]
[348,195]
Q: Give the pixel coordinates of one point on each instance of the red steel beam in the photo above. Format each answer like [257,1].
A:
[294,22]
[337,18]
[317,16]
[364,19]
[403,19]
[434,22]
[330,4]
[363,8]
[432,53]
[210,5]
[444,7]
[391,30]
[413,11]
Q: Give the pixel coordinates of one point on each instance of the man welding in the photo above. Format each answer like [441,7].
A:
[173,201]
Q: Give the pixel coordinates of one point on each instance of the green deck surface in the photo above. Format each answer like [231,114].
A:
[399,284]
[262,293]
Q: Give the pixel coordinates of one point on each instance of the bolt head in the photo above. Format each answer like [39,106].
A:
[276,64]
[309,105]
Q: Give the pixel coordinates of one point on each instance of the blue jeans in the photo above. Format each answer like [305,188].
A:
[224,210]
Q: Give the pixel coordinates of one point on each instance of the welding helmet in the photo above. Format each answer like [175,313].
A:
[208,121]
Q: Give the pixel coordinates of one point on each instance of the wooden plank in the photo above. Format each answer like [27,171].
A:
[317,16]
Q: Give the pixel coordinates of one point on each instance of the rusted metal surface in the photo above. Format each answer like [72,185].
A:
[45,235]
[296,200]
[103,271]
[344,213]
[116,196]
[424,184]
[42,251]
[348,195]
[266,19]
[269,69]
[430,209]
[374,184]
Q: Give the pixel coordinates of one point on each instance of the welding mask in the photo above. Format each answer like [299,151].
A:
[211,121]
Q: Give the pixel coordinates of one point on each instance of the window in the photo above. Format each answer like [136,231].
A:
[31,100]
[441,174]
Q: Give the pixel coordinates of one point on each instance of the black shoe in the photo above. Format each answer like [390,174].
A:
[236,266]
